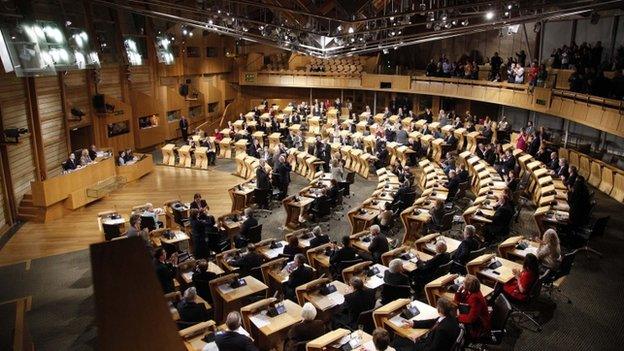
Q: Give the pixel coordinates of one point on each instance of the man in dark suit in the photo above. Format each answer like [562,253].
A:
[165,269]
[283,171]
[452,185]
[199,203]
[360,300]
[450,140]
[500,221]
[443,331]
[462,173]
[232,339]
[379,243]
[252,259]
[263,186]
[201,279]
[401,196]
[426,269]
[184,125]
[191,311]
[300,275]
[339,256]
[319,238]
[247,224]
[462,254]
[394,275]
[71,163]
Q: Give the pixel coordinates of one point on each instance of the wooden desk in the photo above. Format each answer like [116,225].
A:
[317,257]
[427,243]
[414,220]
[135,171]
[359,270]
[409,265]
[362,218]
[270,332]
[180,240]
[227,299]
[75,189]
[193,336]
[439,288]
[309,292]
[294,209]
[478,266]
[389,316]
[225,147]
[507,249]
[241,195]
[187,277]
[264,248]
[338,337]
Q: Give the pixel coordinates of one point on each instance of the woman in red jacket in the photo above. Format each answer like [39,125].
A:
[519,288]
[473,311]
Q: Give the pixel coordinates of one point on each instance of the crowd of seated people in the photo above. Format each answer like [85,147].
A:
[81,158]
[469,308]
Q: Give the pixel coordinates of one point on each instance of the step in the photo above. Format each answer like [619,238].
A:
[29,210]
[30,218]
[27,196]
[26,202]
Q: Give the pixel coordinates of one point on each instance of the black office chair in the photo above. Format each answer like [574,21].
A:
[111,231]
[180,219]
[349,180]
[501,311]
[255,234]
[148,222]
[446,223]
[552,281]
[321,211]
[582,236]
[262,197]
[390,292]
[256,272]
[365,319]
[442,270]
[336,269]
[524,309]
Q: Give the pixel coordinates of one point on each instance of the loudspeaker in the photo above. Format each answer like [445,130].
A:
[184,90]
[98,102]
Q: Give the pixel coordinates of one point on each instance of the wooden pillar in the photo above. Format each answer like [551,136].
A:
[65,108]
[34,126]
[7,181]
[90,75]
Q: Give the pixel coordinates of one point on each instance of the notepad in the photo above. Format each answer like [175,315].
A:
[397,320]
[260,320]
[225,288]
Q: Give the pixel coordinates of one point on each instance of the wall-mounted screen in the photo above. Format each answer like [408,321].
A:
[173,116]
[119,128]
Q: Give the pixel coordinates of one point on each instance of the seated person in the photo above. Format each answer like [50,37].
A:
[84,158]
[379,243]
[191,311]
[166,269]
[519,288]
[199,203]
[426,269]
[381,340]
[252,259]
[394,275]
[452,185]
[501,221]
[449,163]
[333,192]
[462,173]
[71,163]
[473,311]
[462,254]
[153,213]
[385,217]
[245,228]
[299,275]
[549,250]
[360,299]
[121,160]
[201,277]
[341,255]
[319,238]
[93,152]
[235,337]
[292,248]
[437,213]
[443,336]
[308,329]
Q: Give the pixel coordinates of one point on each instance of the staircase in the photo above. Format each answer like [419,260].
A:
[27,211]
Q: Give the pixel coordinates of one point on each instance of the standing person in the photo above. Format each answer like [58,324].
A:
[283,171]
[166,269]
[184,126]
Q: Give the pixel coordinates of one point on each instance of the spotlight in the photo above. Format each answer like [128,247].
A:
[386,51]
[489,15]
[509,6]
[437,26]
[465,23]
[350,30]
[339,28]
[454,22]
[210,22]
[506,13]
[184,32]
[428,25]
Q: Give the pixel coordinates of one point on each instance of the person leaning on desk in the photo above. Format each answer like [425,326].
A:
[443,331]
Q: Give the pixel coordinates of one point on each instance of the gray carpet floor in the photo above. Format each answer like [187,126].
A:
[62,314]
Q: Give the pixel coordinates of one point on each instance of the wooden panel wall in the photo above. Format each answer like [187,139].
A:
[77,95]
[15,115]
[53,132]
[110,83]
[141,79]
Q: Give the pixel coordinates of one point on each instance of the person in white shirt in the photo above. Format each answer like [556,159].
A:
[519,71]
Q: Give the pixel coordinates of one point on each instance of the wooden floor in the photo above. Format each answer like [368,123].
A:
[78,230]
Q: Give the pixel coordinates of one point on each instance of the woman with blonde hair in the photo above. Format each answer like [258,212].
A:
[549,250]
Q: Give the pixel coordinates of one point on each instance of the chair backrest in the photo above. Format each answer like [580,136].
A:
[567,261]
[391,292]
[111,231]
[447,221]
[458,345]
[442,270]
[255,233]
[148,222]
[599,226]
[256,272]
[500,313]
[476,253]
[366,320]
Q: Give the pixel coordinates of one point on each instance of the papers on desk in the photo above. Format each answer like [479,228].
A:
[188,276]
[261,319]
[304,242]
[375,281]
[488,272]
[115,221]
[352,339]
[273,253]
[225,288]
[397,320]
[530,250]
[431,246]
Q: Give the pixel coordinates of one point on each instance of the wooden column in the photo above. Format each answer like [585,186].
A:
[34,126]
[66,108]
[7,181]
